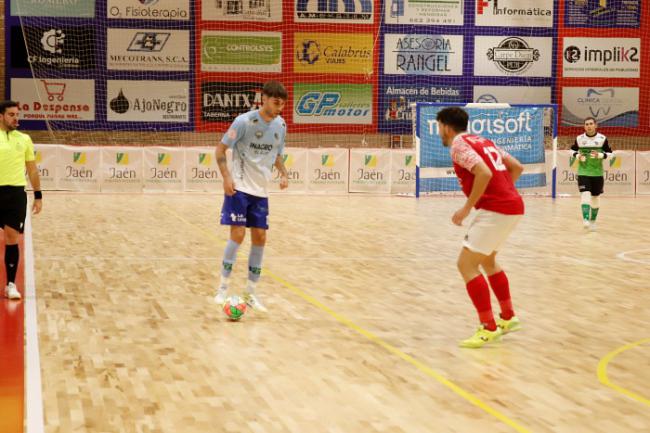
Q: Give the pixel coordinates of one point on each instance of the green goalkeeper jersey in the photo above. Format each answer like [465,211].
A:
[583,146]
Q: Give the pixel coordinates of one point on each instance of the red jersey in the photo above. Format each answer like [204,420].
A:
[500,195]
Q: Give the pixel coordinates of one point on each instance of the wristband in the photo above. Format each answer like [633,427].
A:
[38,195]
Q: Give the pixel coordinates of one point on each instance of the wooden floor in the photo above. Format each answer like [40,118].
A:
[366,312]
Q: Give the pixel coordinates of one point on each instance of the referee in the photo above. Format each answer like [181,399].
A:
[16,154]
[590,148]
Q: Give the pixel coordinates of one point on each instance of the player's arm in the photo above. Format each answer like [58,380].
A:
[514,167]
[35,181]
[222,162]
[284,176]
[607,151]
[576,151]
[482,176]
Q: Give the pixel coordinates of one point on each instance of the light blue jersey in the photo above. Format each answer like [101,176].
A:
[255,145]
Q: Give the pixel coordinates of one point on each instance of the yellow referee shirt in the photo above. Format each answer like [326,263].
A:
[16,148]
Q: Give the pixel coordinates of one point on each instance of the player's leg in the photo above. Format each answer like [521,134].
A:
[597,184]
[233,214]
[14,211]
[257,220]
[498,279]
[584,185]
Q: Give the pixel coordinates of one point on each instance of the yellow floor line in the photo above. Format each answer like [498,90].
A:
[604,379]
[468,396]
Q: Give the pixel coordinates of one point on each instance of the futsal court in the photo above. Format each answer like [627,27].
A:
[366,311]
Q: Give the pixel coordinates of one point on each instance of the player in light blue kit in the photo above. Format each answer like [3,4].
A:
[257,142]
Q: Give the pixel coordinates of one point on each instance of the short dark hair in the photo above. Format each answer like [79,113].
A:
[589,118]
[455,117]
[7,104]
[275,89]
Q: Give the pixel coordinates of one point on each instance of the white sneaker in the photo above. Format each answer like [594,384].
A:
[12,292]
[254,302]
[592,226]
[221,296]
[585,224]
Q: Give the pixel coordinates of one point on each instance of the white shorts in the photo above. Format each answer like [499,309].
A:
[488,230]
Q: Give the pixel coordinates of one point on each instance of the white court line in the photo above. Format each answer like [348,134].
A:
[34,392]
[296,258]
[623,256]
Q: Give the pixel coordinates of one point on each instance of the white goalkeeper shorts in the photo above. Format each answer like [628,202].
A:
[489,230]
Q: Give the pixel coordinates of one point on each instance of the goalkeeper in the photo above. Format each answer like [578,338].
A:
[590,148]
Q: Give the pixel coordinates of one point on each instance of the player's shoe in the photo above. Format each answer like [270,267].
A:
[481,338]
[511,325]
[221,296]
[254,302]
[592,226]
[12,292]
[586,224]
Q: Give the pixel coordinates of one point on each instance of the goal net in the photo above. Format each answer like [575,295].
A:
[524,131]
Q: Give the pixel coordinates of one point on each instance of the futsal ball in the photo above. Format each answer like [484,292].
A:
[234,307]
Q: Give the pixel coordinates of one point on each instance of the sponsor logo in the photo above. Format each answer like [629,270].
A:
[164,158]
[423,54]
[53,8]
[573,54]
[309,52]
[79,158]
[52,41]
[122,158]
[148,9]
[223,102]
[333,53]
[370,161]
[318,9]
[51,47]
[610,106]
[487,98]
[241,51]
[329,103]
[205,159]
[148,41]
[327,160]
[163,101]
[49,99]
[409,160]
[483,5]
[513,55]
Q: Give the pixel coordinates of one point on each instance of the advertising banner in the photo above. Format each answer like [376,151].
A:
[266,11]
[47,161]
[328,170]
[643,172]
[147,101]
[201,170]
[223,101]
[40,8]
[602,57]
[148,50]
[610,106]
[602,13]
[332,103]
[619,173]
[422,54]
[520,56]
[295,161]
[333,53]
[52,47]
[370,170]
[417,12]
[334,11]
[402,171]
[241,51]
[122,169]
[54,98]
[78,168]
[170,10]
[513,94]
[164,169]
[514,13]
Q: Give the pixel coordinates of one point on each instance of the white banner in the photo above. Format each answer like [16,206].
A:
[54,98]
[163,169]
[610,106]
[170,10]
[148,101]
[148,49]
[267,11]
[334,11]
[417,12]
[78,168]
[643,172]
[402,172]
[122,169]
[619,173]
[370,170]
[423,54]
[513,94]
[201,170]
[520,56]
[47,160]
[295,161]
[328,170]
[602,57]
[514,13]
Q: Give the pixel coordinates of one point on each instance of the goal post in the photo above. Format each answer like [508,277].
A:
[524,131]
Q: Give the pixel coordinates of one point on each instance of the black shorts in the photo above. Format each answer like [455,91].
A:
[592,184]
[13,207]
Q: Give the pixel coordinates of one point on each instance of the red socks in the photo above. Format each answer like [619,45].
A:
[479,292]
[501,288]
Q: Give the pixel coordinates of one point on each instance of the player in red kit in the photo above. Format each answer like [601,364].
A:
[487,175]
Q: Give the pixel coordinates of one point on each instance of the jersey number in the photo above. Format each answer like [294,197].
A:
[495,158]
